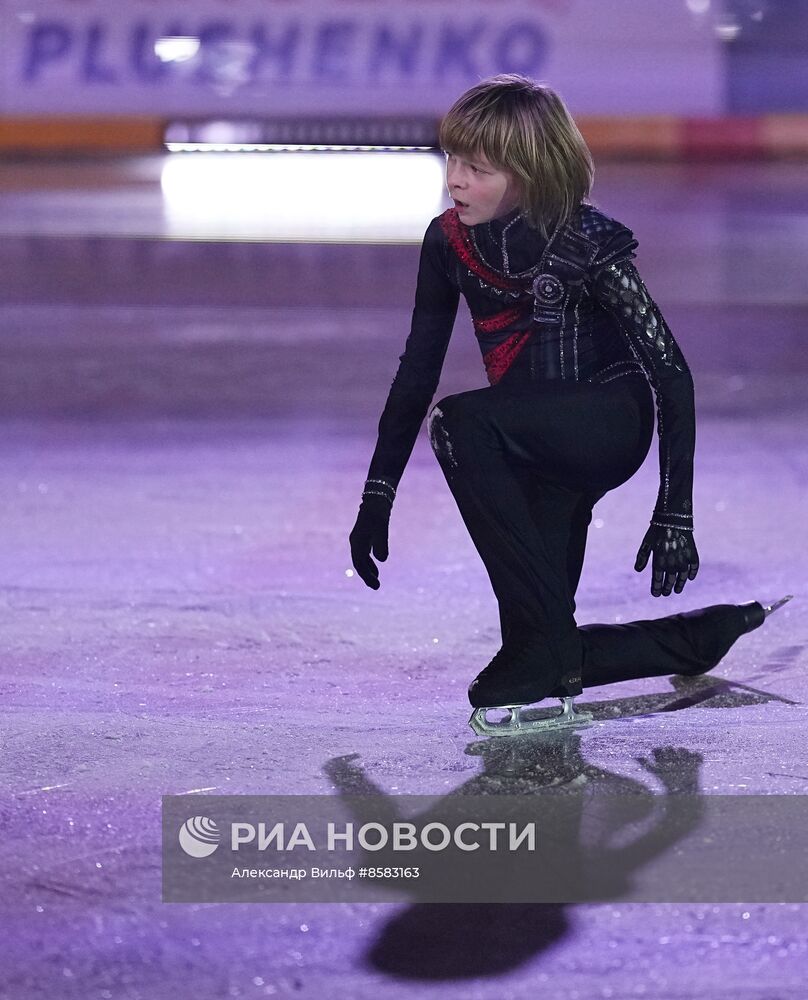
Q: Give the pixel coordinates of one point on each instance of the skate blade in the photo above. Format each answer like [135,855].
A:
[516,725]
[769,608]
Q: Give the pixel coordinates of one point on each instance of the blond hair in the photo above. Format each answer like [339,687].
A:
[524,127]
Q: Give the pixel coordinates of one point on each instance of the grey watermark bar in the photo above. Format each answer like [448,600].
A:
[548,847]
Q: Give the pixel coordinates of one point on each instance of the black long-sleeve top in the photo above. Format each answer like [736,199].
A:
[608,326]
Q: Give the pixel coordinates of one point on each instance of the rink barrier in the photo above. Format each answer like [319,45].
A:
[81,135]
[662,137]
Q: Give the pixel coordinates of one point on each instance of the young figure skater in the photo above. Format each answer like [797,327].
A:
[570,340]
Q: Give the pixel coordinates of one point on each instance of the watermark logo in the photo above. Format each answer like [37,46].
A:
[199,836]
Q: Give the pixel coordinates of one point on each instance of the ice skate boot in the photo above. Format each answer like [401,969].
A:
[756,613]
[513,681]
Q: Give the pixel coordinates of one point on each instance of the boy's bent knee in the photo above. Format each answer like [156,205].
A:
[439,435]
[456,425]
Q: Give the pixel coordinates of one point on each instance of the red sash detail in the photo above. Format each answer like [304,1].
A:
[500,358]
[491,324]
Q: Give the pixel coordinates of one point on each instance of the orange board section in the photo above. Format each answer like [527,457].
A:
[56,135]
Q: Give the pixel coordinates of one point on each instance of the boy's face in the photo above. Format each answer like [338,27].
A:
[480,191]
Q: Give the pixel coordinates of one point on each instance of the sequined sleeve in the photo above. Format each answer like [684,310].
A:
[620,290]
[418,374]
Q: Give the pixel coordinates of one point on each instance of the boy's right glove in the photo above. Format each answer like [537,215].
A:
[370,534]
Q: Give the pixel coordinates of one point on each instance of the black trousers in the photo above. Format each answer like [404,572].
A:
[525,466]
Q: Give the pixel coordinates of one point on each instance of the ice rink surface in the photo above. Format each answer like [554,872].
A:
[186,429]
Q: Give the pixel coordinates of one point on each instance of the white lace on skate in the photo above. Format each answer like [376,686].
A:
[515,724]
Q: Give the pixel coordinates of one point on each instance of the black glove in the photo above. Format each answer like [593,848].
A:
[675,559]
[370,533]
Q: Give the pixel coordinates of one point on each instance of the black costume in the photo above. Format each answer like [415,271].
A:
[570,340]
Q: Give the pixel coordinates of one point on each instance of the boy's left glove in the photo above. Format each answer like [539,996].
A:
[675,559]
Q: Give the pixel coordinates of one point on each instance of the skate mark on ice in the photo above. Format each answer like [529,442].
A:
[780,660]
[63,889]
